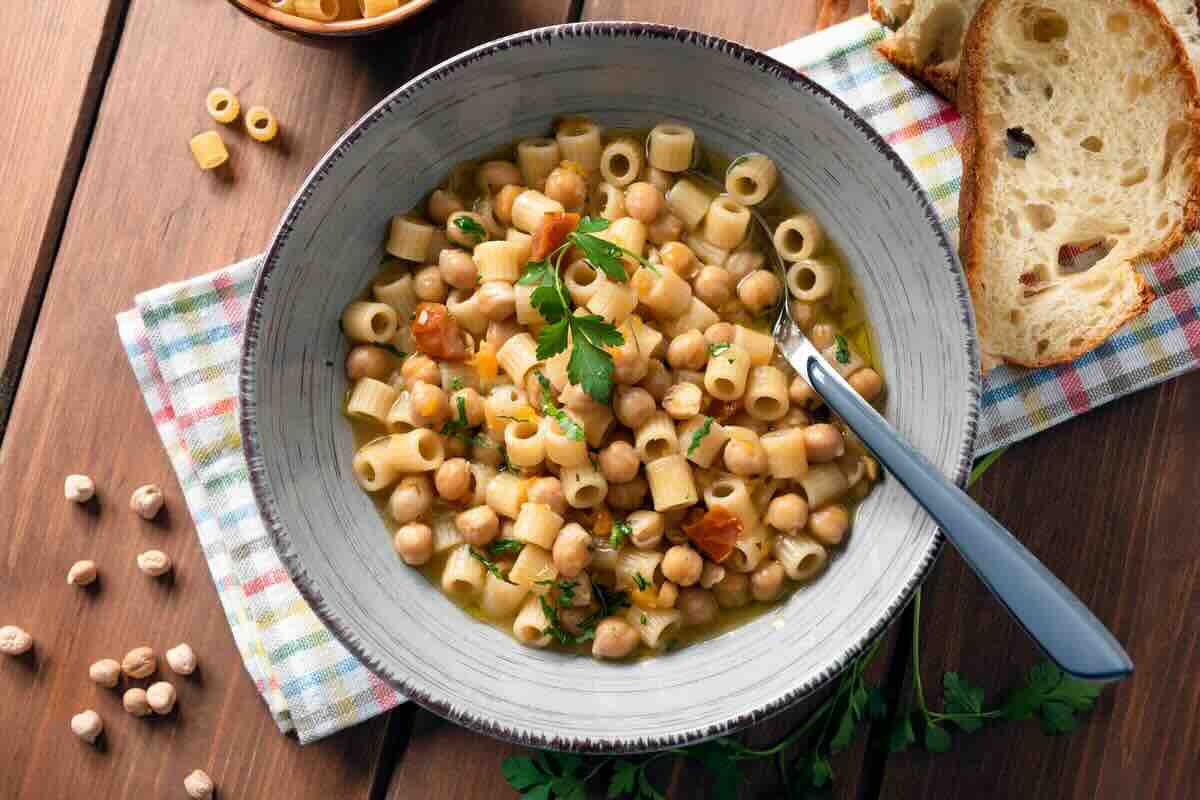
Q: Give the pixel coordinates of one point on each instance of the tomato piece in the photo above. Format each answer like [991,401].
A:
[715,533]
[550,235]
[437,334]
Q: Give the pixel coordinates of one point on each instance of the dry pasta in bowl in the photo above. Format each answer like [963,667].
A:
[568,405]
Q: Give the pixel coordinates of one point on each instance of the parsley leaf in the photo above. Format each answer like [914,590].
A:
[548,301]
[621,530]
[537,273]
[644,618]
[963,698]
[720,762]
[936,738]
[591,368]
[566,589]
[456,384]
[623,780]
[489,565]
[571,428]
[505,546]
[605,256]
[641,582]
[843,349]
[459,426]
[715,350]
[699,434]
[555,629]
[901,735]
[397,352]
[471,228]
[592,225]
[552,339]
[1054,696]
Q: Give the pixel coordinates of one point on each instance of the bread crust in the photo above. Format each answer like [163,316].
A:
[942,77]
[978,174]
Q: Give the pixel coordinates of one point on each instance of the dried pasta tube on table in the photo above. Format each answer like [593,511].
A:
[373,323]
[671,147]
[222,105]
[533,564]
[208,150]
[579,141]
[409,238]
[517,357]
[462,576]
[506,495]
[499,261]
[633,564]
[823,484]
[417,451]
[697,317]
[656,437]
[614,302]
[671,483]
[760,346]
[801,557]
[376,8]
[811,280]
[446,534]
[261,124]
[371,400]
[733,495]
[374,468]
[537,158]
[320,10]
[655,627]
[688,202]
[726,374]
[530,623]
[786,454]
[501,599]
[560,448]
[702,439]
[726,223]
[583,486]
[663,292]
[537,524]
[530,207]
[766,396]
[751,178]
[798,237]
[621,161]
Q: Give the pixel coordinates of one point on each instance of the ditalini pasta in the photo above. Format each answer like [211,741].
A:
[569,409]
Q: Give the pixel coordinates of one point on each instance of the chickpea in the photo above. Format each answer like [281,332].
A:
[458,269]
[697,606]
[794,418]
[106,672]
[140,662]
[428,285]
[688,351]
[787,513]
[567,187]
[667,228]
[453,479]
[462,237]
[548,491]
[198,785]
[829,525]
[368,361]
[478,525]
[87,725]
[497,300]
[766,582]
[504,202]
[720,333]
[430,406]
[743,262]
[733,591]
[802,395]
[443,203]
[658,379]
[629,495]
[14,641]
[823,442]
[615,638]
[629,366]
[161,697]
[154,563]
[619,462]
[745,458]
[79,488]
[644,201]
[82,573]
[659,179]
[472,405]
[867,383]
[646,529]
[419,367]
[633,406]
[414,543]
[146,501]
[759,290]
[679,258]
[181,659]
[711,575]
[453,446]
[135,702]
[822,336]
[571,551]
[411,499]
[668,594]
[713,286]
[492,175]
[682,565]
[683,400]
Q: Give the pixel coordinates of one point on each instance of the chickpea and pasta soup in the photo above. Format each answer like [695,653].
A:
[568,404]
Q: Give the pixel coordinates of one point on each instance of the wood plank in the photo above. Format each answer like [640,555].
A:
[53,72]
[1109,503]
[764,26]
[144,215]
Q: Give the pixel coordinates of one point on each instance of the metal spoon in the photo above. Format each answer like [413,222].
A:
[1050,613]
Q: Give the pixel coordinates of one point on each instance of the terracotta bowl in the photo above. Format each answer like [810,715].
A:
[328,247]
[292,25]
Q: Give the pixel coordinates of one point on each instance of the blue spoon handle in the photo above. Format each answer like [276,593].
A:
[1054,617]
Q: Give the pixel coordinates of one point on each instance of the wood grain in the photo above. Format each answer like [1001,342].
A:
[760,25]
[54,63]
[143,215]
[1109,502]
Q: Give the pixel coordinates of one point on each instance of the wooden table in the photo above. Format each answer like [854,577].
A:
[101,201]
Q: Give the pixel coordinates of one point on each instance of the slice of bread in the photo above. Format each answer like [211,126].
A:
[1082,154]
[927,35]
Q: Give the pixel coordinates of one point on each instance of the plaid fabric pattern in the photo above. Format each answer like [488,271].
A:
[925,130]
[183,343]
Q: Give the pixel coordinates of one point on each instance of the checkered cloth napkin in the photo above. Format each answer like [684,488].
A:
[183,342]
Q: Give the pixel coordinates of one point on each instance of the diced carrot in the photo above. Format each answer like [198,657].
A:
[437,334]
[645,598]
[485,362]
[602,523]
[715,533]
[555,227]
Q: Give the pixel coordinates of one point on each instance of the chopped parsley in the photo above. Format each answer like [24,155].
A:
[842,353]
[471,228]
[456,384]
[621,530]
[699,434]
[641,582]
[397,352]
[645,619]
[460,426]
[489,565]
[566,589]
[505,546]
[718,348]
[571,428]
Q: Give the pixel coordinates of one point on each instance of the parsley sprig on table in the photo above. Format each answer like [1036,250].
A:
[803,756]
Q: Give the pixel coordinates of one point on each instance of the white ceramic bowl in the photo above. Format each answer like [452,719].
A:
[328,247]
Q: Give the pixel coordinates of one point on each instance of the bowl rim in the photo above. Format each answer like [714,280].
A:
[304,26]
[264,498]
